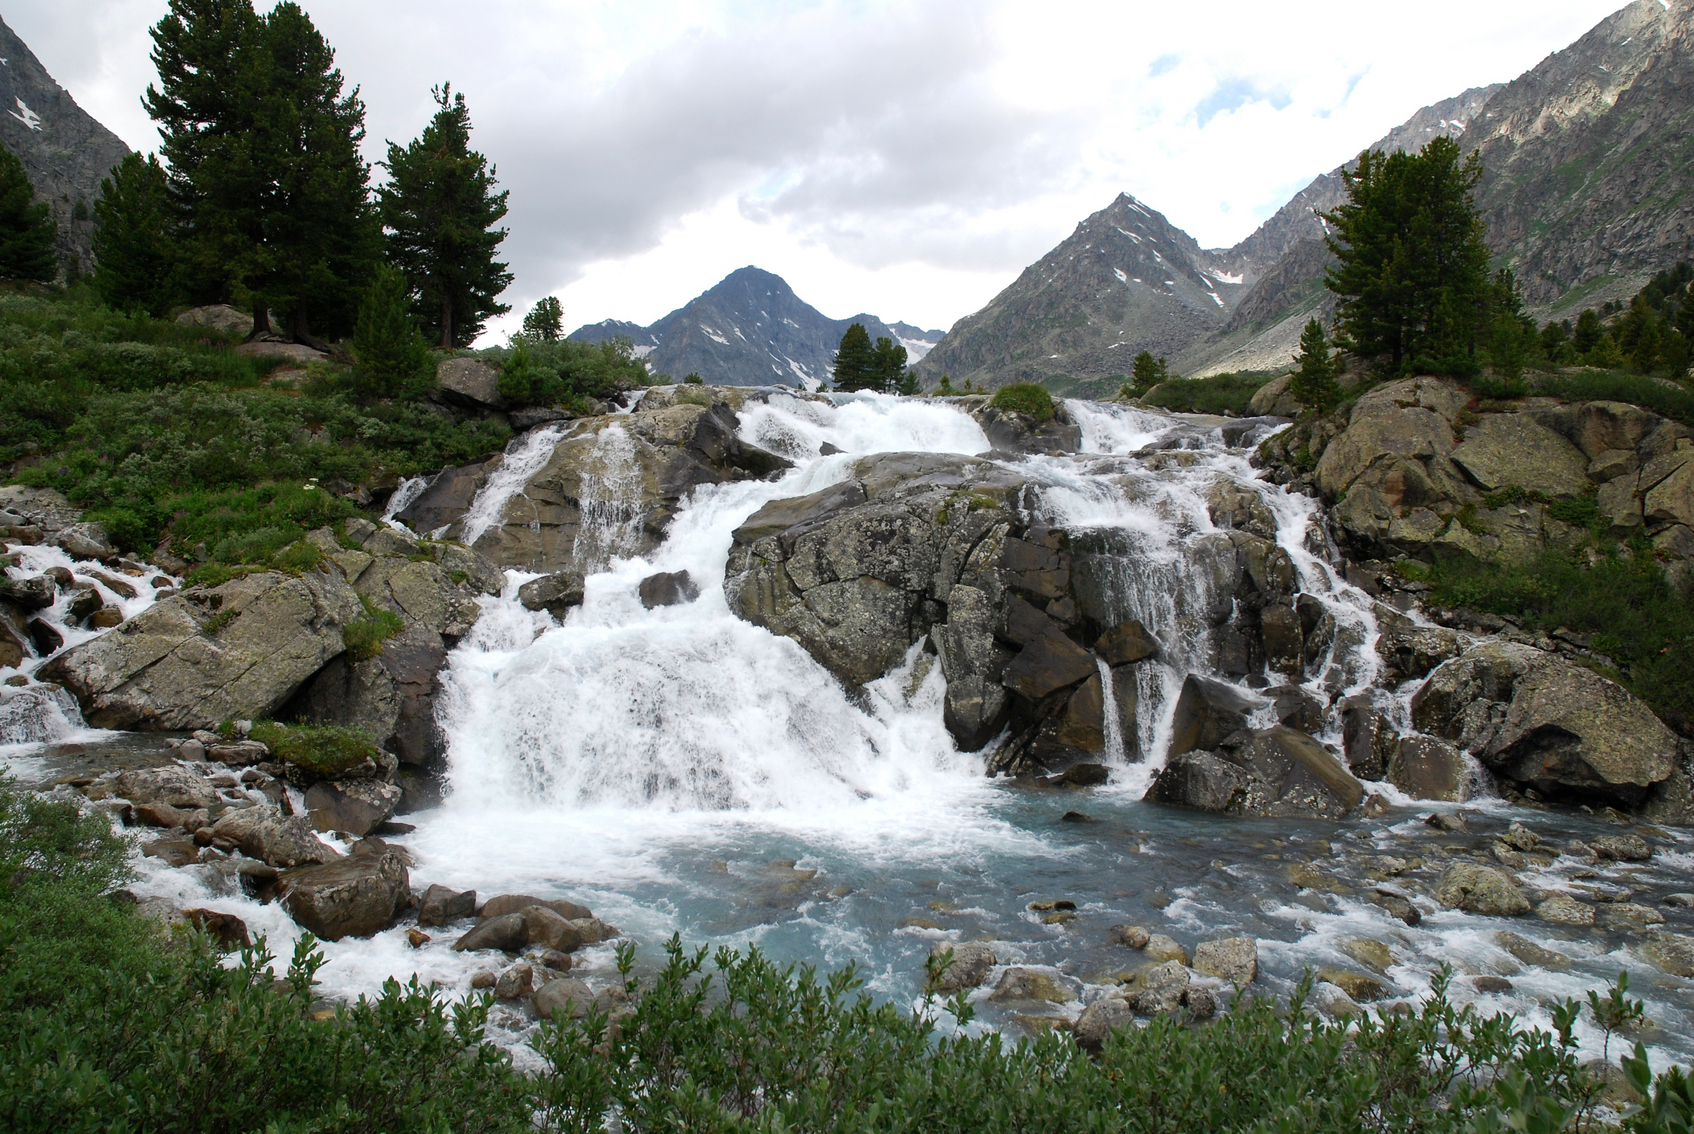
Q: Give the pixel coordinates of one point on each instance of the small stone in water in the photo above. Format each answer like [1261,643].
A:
[1529,952]
[1161,948]
[484,978]
[1446,821]
[417,938]
[1624,848]
[1058,917]
[1132,935]
[1491,984]
[1680,901]
[1058,904]
[1562,910]
[1077,817]
[1368,951]
[554,959]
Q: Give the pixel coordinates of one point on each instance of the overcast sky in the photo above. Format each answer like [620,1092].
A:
[906,159]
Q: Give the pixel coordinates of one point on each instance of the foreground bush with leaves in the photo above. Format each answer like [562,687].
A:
[108,1024]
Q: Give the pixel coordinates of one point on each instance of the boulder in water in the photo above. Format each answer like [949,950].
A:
[85,541]
[1021,983]
[1427,767]
[1208,711]
[1099,1020]
[1125,643]
[668,588]
[171,784]
[442,906]
[34,593]
[555,593]
[503,904]
[505,932]
[1368,740]
[1271,772]
[1234,960]
[969,967]
[1538,720]
[353,897]
[1479,889]
[357,807]
[266,834]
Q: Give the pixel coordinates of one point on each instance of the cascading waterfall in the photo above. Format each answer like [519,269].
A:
[407,491]
[524,458]
[609,502]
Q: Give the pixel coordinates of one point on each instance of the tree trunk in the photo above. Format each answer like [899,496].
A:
[261,322]
[446,323]
[303,333]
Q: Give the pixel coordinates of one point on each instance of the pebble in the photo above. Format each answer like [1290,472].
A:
[1132,935]
[417,938]
[1491,984]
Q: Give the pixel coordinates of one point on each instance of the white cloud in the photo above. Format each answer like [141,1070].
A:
[906,159]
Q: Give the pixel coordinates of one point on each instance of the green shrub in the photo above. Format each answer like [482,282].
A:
[325,751]
[1674,402]
[1031,398]
[299,556]
[364,637]
[1220,394]
[566,372]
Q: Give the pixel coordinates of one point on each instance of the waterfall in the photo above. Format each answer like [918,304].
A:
[688,708]
[407,491]
[525,457]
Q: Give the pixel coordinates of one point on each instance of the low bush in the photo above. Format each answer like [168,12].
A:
[364,637]
[324,751]
[566,372]
[109,1024]
[1662,397]
[1220,394]
[1031,398]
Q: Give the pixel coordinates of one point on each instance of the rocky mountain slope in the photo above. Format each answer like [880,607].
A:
[751,330]
[64,151]
[1585,193]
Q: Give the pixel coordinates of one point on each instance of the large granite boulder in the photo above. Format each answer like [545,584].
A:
[1267,772]
[238,651]
[1512,450]
[265,833]
[1540,721]
[1207,712]
[354,897]
[467,382]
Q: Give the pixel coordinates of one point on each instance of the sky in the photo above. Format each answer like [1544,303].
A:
[904,159]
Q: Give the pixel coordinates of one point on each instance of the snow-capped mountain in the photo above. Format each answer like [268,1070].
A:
[751,330]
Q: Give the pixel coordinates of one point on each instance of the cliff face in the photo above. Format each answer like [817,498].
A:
[65,152]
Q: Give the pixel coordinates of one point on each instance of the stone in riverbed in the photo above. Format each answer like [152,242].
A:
[668,588]
[1160,948]
[229,931]
[1099,1020]
[354,897]
[1357,986]
[1427,767]
[505,932]
[1126,642]
[564,999]
[172,851]
[1132,935]
[1234,960]
[265,833]
[1480,889]
[1622,916]
[1208,711]
[971,963]
[1397,904]
[172,784]
[555,593]
[533,925]
[1274,772]
[1020,983]
[441,906]
[1529,952]
[1623,848]
[519,980]
[502,904]
[1160,989]
[357,807]
[1672,953]
[1561,909]
[1368,951]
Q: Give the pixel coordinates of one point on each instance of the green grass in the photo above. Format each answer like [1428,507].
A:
[1029,398]
[1219,394]
[163,431]
[1635,614]
[325,751]
[365,636]
[108,1024]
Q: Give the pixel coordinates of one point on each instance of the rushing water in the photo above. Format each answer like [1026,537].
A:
[681,771]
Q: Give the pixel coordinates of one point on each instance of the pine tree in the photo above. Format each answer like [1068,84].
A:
[1411,265]
[545,321]
[855,360]
[270,193]
[1589,331]
[26,229]
[1605,353]
[134,237]
[1511,338]
[440,208]
[205,106]
[390,357]
[1147,372]
[889,366]
[1313,384]
[321,240]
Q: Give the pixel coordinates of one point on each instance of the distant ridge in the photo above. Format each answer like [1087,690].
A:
[750,329]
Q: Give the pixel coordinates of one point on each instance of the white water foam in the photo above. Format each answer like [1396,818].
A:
[525,457]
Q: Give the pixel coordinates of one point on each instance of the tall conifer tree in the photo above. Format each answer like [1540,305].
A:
[855,360]
[1411,266]
[26,230]
[134,237]
[440,208]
